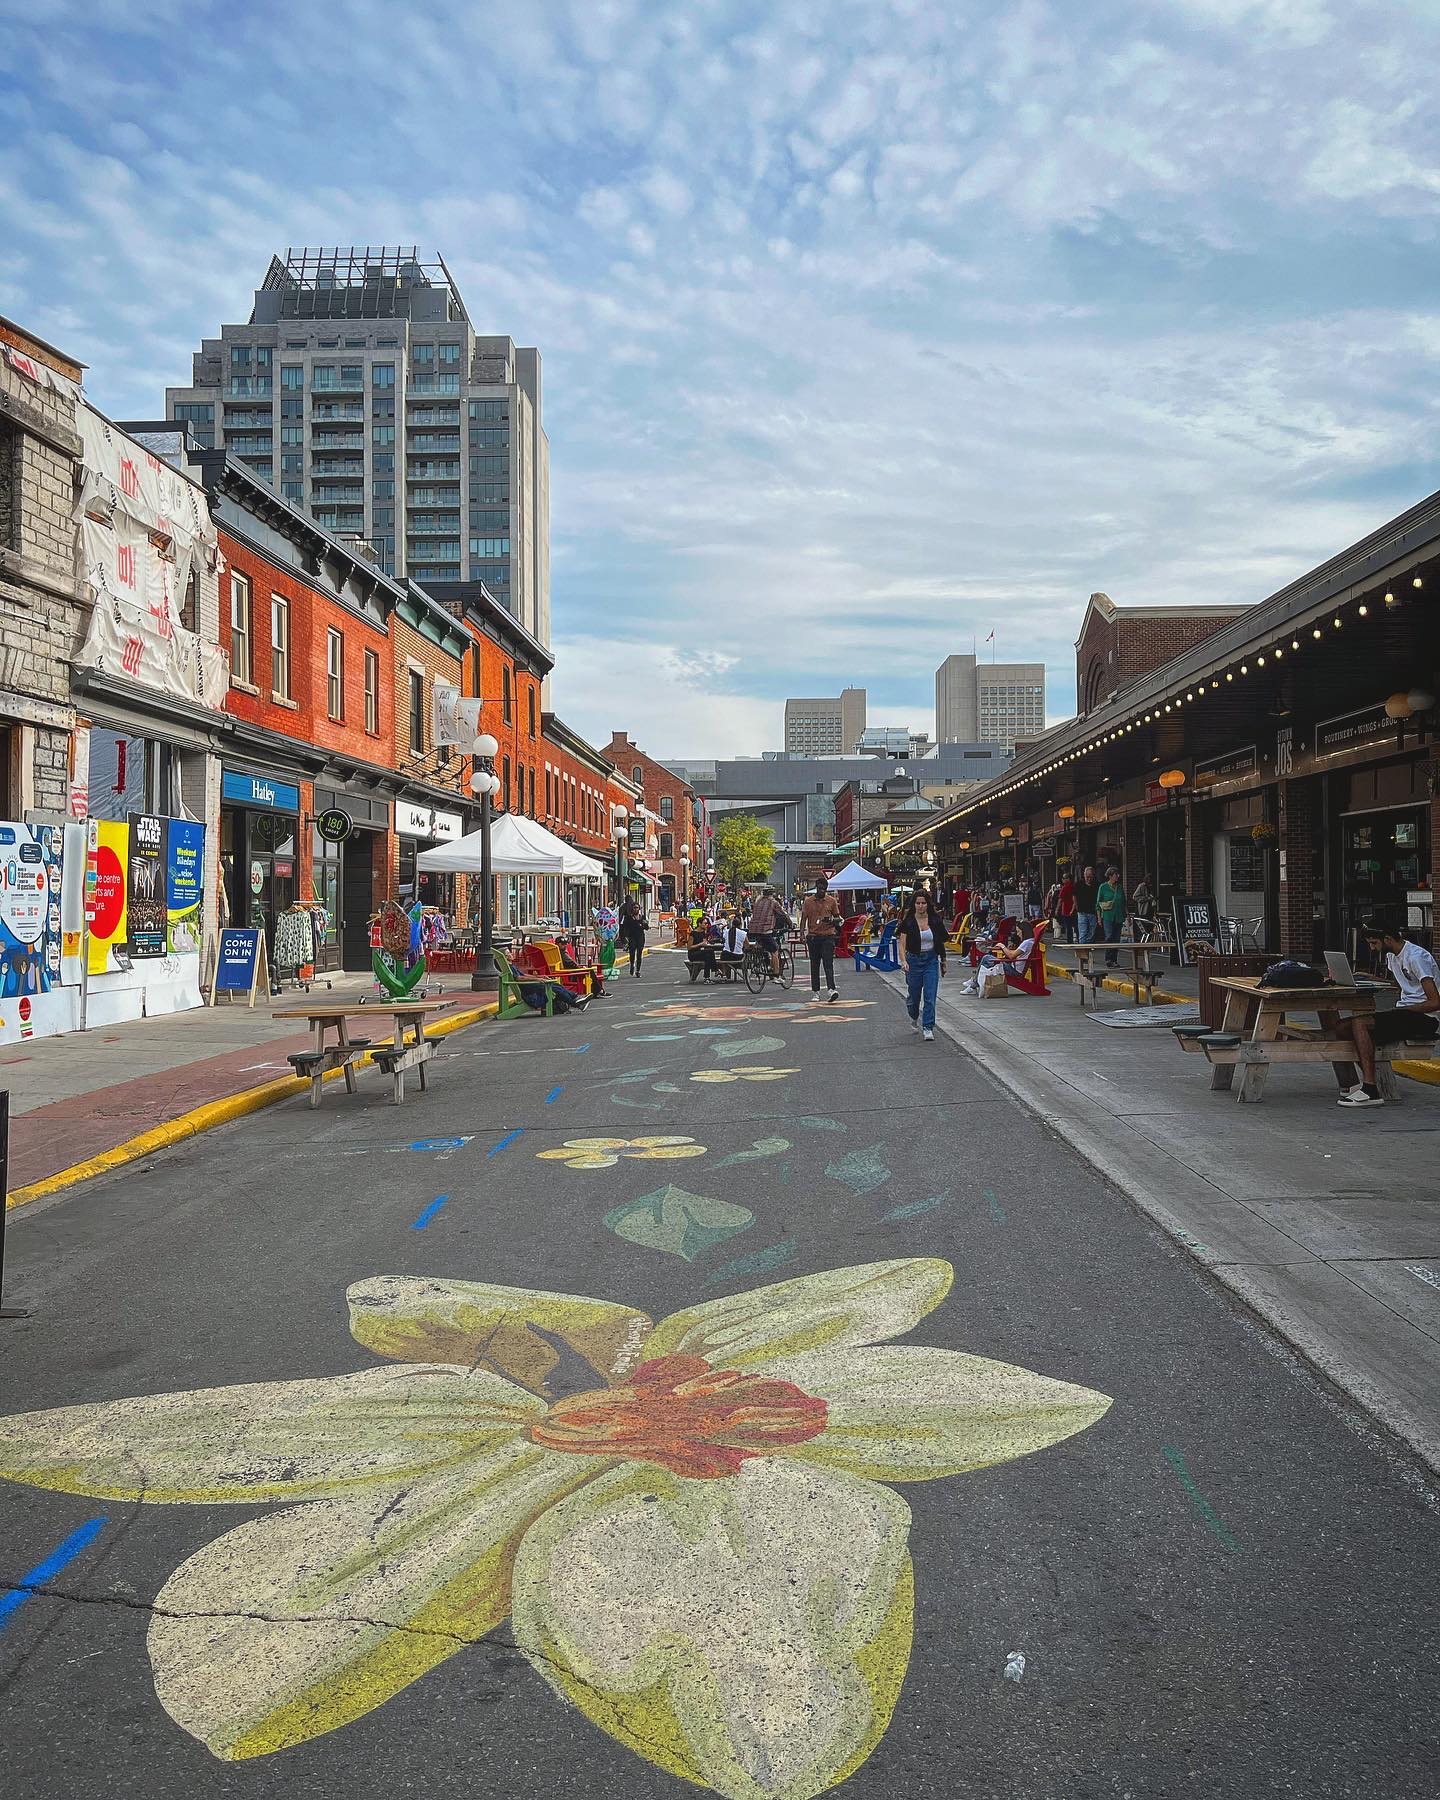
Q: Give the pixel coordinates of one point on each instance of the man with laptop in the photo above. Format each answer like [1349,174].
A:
[1414,1020]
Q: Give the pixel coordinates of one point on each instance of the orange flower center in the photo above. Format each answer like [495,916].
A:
[691,1419]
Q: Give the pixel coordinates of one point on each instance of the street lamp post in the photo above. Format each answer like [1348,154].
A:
[483,783]
[622,837]
[685,876]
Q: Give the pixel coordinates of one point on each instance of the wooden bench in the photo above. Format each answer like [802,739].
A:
[316,1064]
[395,1059]
[726,967]
[1225,1050]
[1139,970]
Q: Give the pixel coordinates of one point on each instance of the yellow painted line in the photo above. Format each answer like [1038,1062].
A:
[213,1112]
[1428,1072]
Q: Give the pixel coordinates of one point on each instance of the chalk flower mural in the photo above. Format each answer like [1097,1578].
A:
[688,1523]
[605,1152]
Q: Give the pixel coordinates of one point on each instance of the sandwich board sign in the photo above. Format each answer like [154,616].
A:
[241,963]
[1197,923]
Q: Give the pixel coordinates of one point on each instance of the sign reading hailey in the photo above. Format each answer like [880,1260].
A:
[260,790]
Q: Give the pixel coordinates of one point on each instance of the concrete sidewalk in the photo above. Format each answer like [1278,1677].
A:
[1327,1222]
[87,1096]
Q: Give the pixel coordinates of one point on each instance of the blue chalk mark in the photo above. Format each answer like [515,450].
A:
[504,1143]
[913,1208]
[997,1211]
[64,1552]
[772,1258]
[554,1095]
[429,1212]
[439,1143]
[1213,1521]
[580,1049]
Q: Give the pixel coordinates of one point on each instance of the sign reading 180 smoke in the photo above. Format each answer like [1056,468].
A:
[147,885]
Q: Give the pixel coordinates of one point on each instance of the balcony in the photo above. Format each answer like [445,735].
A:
[249,387]
[434,384]
[338,471]
[330,409]
[338,440]
[434,415]
[418,528]
[418,470]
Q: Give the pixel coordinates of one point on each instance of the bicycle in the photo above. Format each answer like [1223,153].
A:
[757,966]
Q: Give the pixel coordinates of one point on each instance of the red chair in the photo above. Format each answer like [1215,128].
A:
[531,960]
[850,932]
[1031,978]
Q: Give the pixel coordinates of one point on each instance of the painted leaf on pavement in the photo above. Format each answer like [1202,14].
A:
[681,1223]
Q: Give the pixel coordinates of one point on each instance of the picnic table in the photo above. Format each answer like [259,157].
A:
[1257,1031]
[394,1058]
[1145,966]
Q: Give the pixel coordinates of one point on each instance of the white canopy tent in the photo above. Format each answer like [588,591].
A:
[518,846]
[852,877]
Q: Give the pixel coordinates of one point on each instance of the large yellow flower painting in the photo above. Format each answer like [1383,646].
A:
[697,1541]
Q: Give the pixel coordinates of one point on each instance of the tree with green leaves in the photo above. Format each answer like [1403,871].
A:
[744,849]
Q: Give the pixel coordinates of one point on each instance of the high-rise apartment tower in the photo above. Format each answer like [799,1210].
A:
[988,703]
[360,390]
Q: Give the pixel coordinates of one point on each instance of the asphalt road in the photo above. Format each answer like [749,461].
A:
[1223,1584]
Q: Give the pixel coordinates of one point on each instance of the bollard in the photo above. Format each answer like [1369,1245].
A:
[16,1312]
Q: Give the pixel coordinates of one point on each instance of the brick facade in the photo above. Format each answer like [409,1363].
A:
[1117,645]
[41,611]
[664,792]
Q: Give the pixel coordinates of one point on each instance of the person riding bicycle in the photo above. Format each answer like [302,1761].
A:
[767,920]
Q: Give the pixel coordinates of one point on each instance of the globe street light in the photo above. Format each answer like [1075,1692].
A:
[685,876]
[622,836]
[484,782]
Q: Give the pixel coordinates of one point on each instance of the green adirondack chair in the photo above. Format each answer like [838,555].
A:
[512,1005]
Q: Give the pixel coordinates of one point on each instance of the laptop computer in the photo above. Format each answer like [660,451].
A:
[1343,975]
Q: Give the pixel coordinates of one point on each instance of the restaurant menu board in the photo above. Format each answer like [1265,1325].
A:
[107,852]
[31,858]
[184,878]
[1197,924]
[146,896]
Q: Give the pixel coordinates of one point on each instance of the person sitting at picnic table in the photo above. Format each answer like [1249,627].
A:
[703,946]
[734,936]
[1414,1020]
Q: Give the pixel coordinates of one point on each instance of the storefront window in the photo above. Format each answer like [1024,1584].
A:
[325,883]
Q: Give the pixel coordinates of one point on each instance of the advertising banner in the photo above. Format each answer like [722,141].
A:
[105,912]
[30,871]
[453,720]
[184,880]
[145,887]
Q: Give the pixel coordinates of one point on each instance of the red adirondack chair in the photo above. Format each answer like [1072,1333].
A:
[1029,978]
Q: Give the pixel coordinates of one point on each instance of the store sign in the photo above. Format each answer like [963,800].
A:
[426,822]
[1197,922]
[637,833]
[335,825]
[184,879]
[1097,811]
[1353,731]
[1216,769]
[260,790]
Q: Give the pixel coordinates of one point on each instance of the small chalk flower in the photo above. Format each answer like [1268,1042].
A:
[744,1072]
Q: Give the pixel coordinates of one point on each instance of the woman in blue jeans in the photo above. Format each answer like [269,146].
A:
[921,938]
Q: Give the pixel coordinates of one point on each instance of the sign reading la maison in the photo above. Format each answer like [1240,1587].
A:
[426,822]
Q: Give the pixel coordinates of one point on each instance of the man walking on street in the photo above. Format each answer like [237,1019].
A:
[820,920]
[1087,918]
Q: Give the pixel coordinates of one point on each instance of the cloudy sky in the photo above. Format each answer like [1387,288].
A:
[867,328]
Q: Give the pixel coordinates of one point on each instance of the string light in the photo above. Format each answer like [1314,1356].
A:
[1389,599]
[1229,676]
[1363,610]
[1244,668]
[1417,582]
[1260,660]
[1316,632]
[1335,623]
[1294,643]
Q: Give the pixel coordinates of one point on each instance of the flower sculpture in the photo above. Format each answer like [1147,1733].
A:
[686,1522]
[605,1152]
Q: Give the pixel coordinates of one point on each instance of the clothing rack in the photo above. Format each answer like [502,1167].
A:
[299,932]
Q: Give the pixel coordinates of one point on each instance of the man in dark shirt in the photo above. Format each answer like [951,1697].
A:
[1087,917]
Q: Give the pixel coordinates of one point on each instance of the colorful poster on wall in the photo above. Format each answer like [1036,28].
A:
[146,885]
[184,878]
[30,870]
[105,910]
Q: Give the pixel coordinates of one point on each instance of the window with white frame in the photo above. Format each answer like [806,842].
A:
[280,647]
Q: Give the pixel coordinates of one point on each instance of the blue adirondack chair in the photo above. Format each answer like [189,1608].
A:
[881,955]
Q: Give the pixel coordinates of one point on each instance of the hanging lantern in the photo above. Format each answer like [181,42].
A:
[1171,778]
[1398,706]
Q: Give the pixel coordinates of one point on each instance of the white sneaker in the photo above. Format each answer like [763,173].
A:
[832,996]
[914,1021]
[1360,1099]
[928,1035]
[815,997]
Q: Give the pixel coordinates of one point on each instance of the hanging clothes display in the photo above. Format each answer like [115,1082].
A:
[295,941]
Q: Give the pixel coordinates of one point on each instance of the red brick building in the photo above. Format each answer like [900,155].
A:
[584,794]
[672,819]
[1119,644]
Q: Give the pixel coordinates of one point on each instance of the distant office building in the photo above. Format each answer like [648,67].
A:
[989,703]
[361,392]
[825,727]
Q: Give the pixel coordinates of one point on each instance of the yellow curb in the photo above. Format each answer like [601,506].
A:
[212,1113]
[1427,1072]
